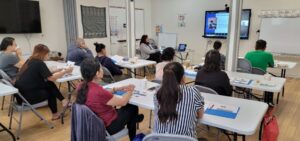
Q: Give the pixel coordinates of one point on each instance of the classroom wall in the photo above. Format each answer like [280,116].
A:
[165,13]
[53,29]
[121,48]
[90,42]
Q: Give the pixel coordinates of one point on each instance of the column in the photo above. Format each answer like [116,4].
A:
[234,34]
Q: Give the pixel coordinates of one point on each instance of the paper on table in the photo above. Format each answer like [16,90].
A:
[242,81]
[223,107]
[117,58]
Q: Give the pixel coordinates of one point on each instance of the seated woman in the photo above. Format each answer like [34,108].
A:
[148,52]
[210,75]
[35,81]
[102,101]
[166,57]
[115,71]
[177,106]
[10,63]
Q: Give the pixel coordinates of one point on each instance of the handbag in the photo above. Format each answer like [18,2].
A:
[271,129]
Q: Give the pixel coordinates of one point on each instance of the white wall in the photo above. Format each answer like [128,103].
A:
[90,42]
[53,29]
[165,12]
[121,48]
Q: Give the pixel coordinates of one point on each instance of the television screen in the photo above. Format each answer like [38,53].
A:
[217,23]
[20,16]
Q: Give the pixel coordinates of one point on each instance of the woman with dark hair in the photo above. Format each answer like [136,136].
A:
[177,106]
[148,52]
[36,82]
[10,63]
[166,57]
[102,102]
[210,75]
[107,62]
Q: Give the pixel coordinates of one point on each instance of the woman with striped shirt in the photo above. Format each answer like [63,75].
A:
[177,106]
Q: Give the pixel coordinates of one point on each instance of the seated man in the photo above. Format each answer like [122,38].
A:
[115,70]
[260,58]
[79,52]
[217,46]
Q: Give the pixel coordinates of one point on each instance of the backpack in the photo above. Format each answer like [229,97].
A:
[271,129]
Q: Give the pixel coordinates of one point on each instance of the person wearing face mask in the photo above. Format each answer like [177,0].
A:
[10,57]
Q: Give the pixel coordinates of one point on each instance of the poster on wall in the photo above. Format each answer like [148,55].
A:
[181,20]
[93,22]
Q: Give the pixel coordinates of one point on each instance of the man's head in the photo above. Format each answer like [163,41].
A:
[80,43]
[261,45]
[217,45]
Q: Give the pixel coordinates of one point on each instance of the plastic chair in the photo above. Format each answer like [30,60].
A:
[7,78]
[204,89]
[258,71]
[244,66]
[108,78]
[25,106]
[167,137]
[91,114]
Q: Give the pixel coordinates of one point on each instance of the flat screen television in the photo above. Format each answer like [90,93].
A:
[19,16]
[217,24]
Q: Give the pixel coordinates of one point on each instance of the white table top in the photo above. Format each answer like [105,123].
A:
[284,64]
[258,81]
[139,64]
[248,118]
[6,90]
[246,122]
[141,101]
[76,74]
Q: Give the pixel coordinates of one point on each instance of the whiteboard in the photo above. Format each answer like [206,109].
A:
[139,23]
[118,23]
[281,34]
[167,40]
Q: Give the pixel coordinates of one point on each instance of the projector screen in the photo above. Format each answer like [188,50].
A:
[217,23]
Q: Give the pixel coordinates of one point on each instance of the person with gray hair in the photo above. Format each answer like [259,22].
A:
[79,52]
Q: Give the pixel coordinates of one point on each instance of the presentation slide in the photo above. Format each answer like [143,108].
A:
[216,24]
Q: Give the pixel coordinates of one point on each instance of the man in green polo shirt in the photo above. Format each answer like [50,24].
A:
[259,58]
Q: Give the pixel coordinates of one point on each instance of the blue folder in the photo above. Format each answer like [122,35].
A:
[221,113]
[120,93]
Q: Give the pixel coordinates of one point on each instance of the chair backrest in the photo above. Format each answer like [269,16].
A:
[5,76]
[85,125]
[157,81]
[204,89]
[107,74]
[167,137]
[258,71]
[244,65]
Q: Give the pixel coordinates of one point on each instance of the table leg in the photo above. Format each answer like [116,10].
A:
[283,75]
[5,129]
[244,137]
[260,130]
[235,136]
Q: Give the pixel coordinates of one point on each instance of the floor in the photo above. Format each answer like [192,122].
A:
[287,113]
